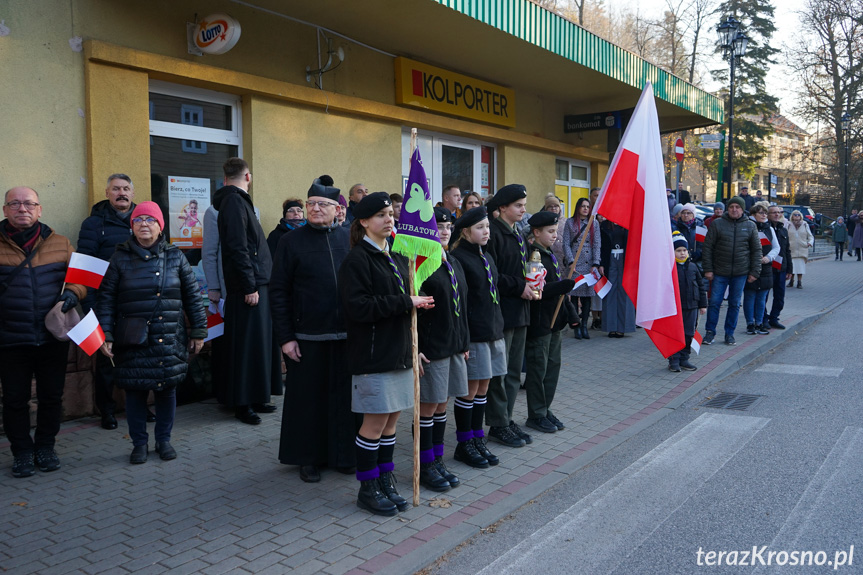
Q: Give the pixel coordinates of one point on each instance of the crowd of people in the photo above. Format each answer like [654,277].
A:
[326,297]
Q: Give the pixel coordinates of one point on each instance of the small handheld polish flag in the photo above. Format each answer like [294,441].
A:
[581,280]
[777,263]
[696,343]
[700,233]
[88,334]
[85,270]
[215,327]
[602,287]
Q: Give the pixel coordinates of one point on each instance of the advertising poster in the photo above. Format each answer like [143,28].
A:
[188,199]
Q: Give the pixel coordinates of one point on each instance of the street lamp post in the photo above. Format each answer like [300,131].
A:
[733,44]
[846,126]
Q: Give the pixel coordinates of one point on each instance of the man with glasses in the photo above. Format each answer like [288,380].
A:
[318,427]
[252,362]
[355,195]
[107,226]
[33,261]
[776,216]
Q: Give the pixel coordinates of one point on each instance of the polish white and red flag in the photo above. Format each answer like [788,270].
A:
[88,334]
[602,287]
[215,327]
[700,233]
[762,237]
[85,270]
[633,196]
[696,343]
[586,279]
[777,263]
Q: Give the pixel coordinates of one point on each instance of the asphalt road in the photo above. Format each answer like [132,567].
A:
[785,477]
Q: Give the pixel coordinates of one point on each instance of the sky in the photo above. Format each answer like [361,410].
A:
[787,26]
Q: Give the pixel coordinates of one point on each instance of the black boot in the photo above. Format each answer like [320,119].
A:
[481,448]
[387,484]
[577,330]
[584,333]
[446,473]
[371,499]
[467,453]
[431,478]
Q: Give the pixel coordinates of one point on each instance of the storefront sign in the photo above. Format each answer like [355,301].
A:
[216,34]
[188,199]
[423,86]
[588,122]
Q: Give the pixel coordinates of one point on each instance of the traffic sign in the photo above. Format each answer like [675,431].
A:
[679,150]
[712,137]
[709,145]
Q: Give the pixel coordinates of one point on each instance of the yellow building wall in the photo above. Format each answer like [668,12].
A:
[533,169]
[42,111]
[118,128]
[293,145]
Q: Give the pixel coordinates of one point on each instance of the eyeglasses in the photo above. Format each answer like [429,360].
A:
[15,205]
[145,221]
[320,203]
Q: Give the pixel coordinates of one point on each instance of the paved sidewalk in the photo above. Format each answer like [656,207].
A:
[227,506]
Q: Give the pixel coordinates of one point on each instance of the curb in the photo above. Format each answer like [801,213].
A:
[449,533]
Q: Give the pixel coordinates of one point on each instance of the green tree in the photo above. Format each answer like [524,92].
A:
[752,104]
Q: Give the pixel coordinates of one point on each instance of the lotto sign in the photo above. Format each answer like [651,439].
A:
[216,34]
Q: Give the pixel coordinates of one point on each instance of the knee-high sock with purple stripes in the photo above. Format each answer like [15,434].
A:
[438,432]
[463,412]
[478,415]
[367,458]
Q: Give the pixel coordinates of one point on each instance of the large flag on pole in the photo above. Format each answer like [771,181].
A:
[417,229]
[633,196]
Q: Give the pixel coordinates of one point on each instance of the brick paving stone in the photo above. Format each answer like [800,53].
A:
[146,560]
[177,559]
[227,565]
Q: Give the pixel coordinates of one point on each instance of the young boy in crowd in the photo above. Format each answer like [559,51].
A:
[693,300]
[542,346]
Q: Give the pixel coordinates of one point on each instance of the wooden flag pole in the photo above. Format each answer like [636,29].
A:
[572,268]
[416,360]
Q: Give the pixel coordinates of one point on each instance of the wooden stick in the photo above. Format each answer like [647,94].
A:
[572,268]
[416,360]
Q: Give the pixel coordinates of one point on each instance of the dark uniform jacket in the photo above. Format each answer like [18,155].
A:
[100,235]
[132,287]
[304,291]
[376,309]
[782,235]
[484,316]
[693,291]
[35,289]
[731,248]
[443,330]
[542,311]
[504,248]
[246,259]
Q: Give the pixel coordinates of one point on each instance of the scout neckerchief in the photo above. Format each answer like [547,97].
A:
[392,263]
[490,278]
[523,249]
[456,300]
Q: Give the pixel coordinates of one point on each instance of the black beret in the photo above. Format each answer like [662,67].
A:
[442,215]
[509,194]
[371,204]
[323,191]
[471,217]
[542,219]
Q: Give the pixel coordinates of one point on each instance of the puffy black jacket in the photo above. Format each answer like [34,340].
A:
[693,291]
[378,318]
[782,235]
[484,317]
[304,291]
[504,248]
[246,259]
[34,290]
[100,235]
[132,287]
[731,248]
[442,333]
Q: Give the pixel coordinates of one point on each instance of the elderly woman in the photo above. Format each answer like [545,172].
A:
[840,236]
[148,288]
[799,241]
[293,217]
[755,293]
[588,260]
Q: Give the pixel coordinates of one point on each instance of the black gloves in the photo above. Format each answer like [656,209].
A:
[69,300]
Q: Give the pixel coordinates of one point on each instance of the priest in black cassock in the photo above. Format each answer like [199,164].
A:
[318,427]
[251,362]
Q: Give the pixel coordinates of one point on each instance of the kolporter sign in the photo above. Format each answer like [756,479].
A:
[423,86]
